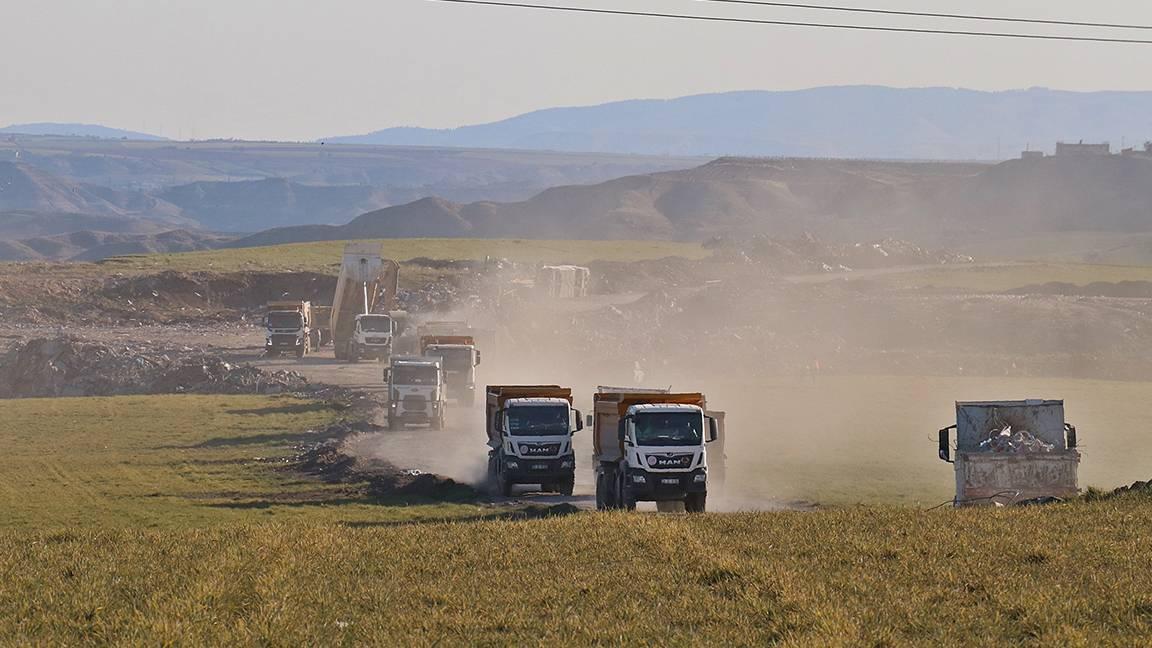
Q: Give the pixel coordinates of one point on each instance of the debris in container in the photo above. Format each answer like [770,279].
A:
[1005,440]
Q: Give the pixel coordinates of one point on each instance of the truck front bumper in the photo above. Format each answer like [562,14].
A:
[280,341]
[536,470]
[662,486]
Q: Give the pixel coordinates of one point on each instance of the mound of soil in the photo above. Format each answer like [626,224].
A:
[68,366]
[384,480]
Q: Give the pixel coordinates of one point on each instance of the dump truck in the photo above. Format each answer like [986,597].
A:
[1008,452]
[461,357]
[415,392]
[530,430]
[372,337]
[650,445]
[289,329]
[367,284]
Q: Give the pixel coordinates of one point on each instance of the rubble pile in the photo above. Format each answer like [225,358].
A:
[1006,439]
[68,366]
[808,254]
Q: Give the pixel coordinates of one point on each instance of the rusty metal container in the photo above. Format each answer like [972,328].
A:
[1008,452]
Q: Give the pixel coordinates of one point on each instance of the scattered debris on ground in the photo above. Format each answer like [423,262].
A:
[383,481]
[70,366]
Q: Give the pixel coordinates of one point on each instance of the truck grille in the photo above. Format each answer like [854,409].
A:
[376,340]
[415,403]
[670,461]
[539,449]
[281,339]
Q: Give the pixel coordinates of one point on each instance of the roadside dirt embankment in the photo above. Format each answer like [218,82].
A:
[69,366]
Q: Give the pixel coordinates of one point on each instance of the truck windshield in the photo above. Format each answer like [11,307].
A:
[537,421]
[284,319]
[413,375]
[455,358]
[376,324]
[668,428]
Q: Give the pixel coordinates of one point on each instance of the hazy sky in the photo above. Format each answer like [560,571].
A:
[295,69]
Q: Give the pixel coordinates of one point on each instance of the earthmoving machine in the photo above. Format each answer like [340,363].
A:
[461,357]
[650,446]
[415,392]
[1008,452]
[367,285]
[530,430]
[289,326]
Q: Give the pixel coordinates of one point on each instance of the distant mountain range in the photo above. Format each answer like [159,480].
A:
[839,200]
[78,130]
[842,122]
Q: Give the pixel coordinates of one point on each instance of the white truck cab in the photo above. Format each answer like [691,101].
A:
[415,391]
[651,447]
[372,337]
[530,430]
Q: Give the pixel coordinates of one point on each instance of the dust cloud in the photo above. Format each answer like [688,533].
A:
[833,389]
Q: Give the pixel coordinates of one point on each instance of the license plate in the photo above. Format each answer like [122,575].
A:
[539,466]
[671,482]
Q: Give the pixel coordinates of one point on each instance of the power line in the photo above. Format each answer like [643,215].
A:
[924,14]
[794,23]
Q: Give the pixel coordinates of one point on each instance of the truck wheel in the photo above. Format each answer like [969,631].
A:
[436,423]
[565,487]
[628,500]
[353,354]
[301,350]
[503,486]
[600,492]
[392,422]
[695,502]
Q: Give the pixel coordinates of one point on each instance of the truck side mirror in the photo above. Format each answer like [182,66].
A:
[945,451]
[1070,435]
[498,420]
[387,374]
[264,321]
[713,433]
[590,420]
[579,421]
[620,429]
[477,359]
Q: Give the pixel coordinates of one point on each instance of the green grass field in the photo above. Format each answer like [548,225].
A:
[325,256]
[172,520]
[847,440]
[998,277]
[1064,575]
[182,460]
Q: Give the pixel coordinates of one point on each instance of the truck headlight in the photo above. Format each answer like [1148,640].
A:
[567,463]
[700,477]
[512,464]
[639,479]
